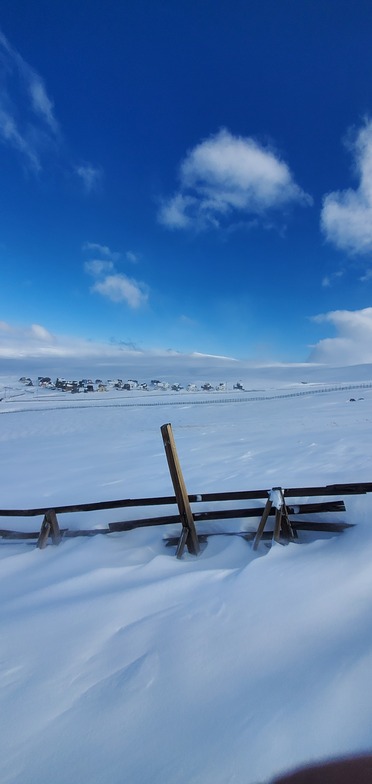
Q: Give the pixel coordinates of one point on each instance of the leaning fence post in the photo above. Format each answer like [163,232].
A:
[262,523]
[54,527]
[189,536]
[44,533]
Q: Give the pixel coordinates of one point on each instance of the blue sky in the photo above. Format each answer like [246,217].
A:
[194,176]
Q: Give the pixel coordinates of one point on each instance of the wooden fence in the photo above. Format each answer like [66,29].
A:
[276,505]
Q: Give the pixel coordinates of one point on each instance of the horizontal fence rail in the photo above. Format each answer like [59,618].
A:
[357,488]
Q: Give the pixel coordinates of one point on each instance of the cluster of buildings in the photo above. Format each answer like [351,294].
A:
[88,385]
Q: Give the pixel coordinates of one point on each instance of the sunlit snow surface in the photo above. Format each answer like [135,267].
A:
[119,663]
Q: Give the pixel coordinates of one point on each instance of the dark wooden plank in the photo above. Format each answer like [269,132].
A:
[226,514]
[340,489]
[93,507]
[5,534]
[266,535]
[278,524]
[322,506]
[308,525]
[326,506]
[357,488]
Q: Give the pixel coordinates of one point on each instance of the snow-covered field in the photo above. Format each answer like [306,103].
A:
[120,663]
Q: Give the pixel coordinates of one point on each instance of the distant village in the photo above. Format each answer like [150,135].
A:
[87,385]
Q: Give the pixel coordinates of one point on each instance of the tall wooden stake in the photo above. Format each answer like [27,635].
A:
[189,537]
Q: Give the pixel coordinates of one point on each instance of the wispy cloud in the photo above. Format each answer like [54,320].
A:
[114,285]
[27,120]
[367,276]
[91,176]
[28,123]
[132,257]
[102,250]
[226,176]
[353,342]
[41,102]
[346,218]
[97,267]
[11,135]
[330,279]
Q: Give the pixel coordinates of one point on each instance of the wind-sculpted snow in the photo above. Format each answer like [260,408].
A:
[120,663]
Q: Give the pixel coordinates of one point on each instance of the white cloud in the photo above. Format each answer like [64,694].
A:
[91,176]
[226,175]
[353,343]
[173,212]
[102,250]
[39,332]
[97,267]
[346,218]
[111,284]
[32,340]
[120,288]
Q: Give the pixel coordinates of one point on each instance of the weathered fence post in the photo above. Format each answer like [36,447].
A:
[262,523]
[49,526]
[189,536]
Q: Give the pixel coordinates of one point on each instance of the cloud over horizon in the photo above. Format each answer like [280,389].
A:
[353,343]
[346,218]
[35,341]
[226,176]
[38,346]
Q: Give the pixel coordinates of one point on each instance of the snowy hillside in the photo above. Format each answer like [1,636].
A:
[119,662]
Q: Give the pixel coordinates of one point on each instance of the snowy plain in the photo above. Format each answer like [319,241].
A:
[119,662]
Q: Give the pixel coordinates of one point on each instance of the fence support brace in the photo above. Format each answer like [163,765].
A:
[49,526]
[282,521]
